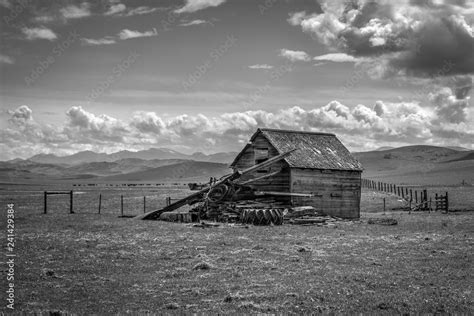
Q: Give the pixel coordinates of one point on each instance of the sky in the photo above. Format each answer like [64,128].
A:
[203,75]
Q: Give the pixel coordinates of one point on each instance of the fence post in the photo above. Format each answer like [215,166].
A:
[100,201]
[121,205]
[425,199]
[384,205]
[45,202]
[403,194]
[144,204]
[416,196]
[447,204]
[70,203]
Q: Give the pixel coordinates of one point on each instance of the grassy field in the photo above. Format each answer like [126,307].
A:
[90,263]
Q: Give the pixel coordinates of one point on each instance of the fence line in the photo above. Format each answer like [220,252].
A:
[418,198]
[121,209]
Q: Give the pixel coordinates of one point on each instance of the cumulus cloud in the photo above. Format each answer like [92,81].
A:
[115,9]
[385,122]
[4,59]
[196,5]
[21,115]
[296,18]
[414,38]
[294,56]
[76,12]
[86,126]
[337,58]
[449,108]
[261,66]
[39,33]
[128,34]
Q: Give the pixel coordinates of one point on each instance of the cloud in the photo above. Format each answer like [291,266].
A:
[4,59]
[293,55]
[196,5]
[116,8]
[85,126]
[76,12]
[120,9]
[21,115]
[337,58]
[261,66]
[406,38]
[128,34]
[141,10]
[100,41]
[296,18]
[194,22]
[39,33]
[449,108]
[362,126]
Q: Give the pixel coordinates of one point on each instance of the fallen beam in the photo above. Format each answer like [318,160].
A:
[283,193]
[193,198]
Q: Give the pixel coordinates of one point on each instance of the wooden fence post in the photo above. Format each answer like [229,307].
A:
[425,199]
[70,204]
[384,205]
[100,201]
[45,202]
[121,205]
[416,196]
[447,204]
[144,204]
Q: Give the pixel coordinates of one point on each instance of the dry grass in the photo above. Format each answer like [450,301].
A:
[86,263]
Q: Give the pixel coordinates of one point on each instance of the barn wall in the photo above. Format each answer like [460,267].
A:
[338,191]
[279,182]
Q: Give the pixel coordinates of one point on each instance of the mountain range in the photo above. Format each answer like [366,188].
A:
[149,154]
[410,165]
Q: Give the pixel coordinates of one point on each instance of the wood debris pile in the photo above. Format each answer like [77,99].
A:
[232,201]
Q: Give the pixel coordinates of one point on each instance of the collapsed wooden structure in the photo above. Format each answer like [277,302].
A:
[277,172]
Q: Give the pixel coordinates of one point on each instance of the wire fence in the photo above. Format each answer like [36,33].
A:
[417,199]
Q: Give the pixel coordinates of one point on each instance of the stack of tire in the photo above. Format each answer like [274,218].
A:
[262,216]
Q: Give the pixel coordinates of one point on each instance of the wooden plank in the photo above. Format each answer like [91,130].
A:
[283,193]
[200,194]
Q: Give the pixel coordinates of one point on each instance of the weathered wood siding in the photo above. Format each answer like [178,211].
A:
[279,182]
[338,191]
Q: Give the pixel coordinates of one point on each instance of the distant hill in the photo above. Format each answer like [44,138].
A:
[419,165]
[149,154]
[404,165]
[190,170]
[384,148]
[130,169]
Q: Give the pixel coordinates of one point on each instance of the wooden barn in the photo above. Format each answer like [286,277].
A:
[320,166]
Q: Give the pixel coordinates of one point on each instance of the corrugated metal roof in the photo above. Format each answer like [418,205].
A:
[314,150]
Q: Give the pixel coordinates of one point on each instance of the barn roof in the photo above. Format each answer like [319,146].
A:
[314,150]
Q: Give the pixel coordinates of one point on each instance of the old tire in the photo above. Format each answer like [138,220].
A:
[262,216]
